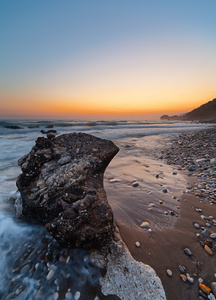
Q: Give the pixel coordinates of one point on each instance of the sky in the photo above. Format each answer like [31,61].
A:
[97,58]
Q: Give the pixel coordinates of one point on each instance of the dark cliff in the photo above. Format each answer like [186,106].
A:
[204,113]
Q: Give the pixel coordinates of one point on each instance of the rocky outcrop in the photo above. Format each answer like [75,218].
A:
[61,186]
[170,118]
[204,113]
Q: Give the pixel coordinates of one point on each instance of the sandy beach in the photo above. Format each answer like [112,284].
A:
[162,244]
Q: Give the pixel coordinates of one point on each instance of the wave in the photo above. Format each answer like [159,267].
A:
[102,128]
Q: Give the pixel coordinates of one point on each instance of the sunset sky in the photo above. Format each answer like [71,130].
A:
[106,58]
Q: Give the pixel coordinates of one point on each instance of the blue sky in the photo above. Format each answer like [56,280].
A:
[98,53]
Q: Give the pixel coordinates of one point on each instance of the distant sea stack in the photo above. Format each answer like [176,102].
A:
[61,187]
[204,113]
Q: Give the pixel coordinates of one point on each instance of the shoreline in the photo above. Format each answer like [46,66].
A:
[164,250]
[160,249]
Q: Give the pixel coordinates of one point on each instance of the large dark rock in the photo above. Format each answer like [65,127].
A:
[61,186]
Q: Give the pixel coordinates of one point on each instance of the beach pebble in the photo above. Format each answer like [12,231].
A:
[25,269]
[69,295]
[204,288]
[213,236]
[169,272]
[137,244]
[211,297]
[77,295]
[187,251]
[182,269]
[198,209]
[56,295]
[189,278]
[213,287]
[200,160]
[145,225]
[157,176]
[165,191]
[183,277]
[208,250]
[205,233]
[191,168]
[161,202]
[149,232]
[135,184]
[50,274]
[114,180]
[196,225]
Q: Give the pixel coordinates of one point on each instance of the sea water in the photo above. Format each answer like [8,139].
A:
[136,140]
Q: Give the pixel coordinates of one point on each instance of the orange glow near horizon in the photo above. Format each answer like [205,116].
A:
[35,106]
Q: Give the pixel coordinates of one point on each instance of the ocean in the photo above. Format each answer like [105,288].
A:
[138,141]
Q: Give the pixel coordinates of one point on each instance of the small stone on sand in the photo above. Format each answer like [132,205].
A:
[204,288]
[137,244]
[169,272]
[208,250]
[183,277]
[114,180]
[189,278]
[213,236]
[187,251]
[145,225]
[196,225]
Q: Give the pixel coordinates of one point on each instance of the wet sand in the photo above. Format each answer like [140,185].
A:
[163,248]
[136,184]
